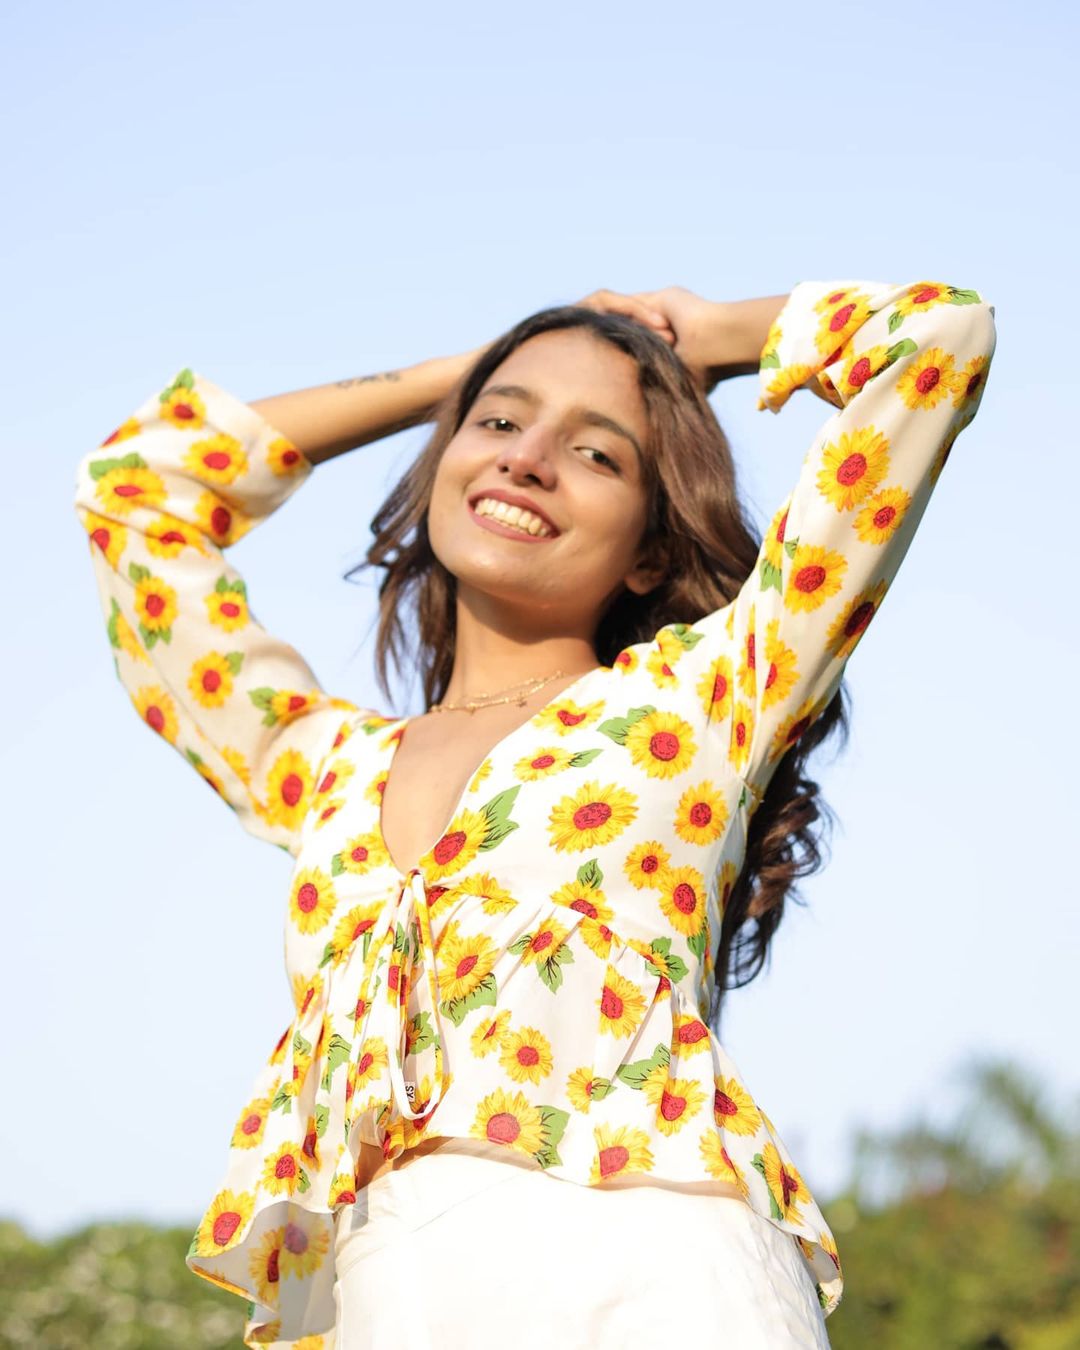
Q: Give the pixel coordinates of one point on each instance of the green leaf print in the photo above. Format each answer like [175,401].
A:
[770,360]
[964,297]
[496,813]
[263,700]
[674,967]
[600,1088]
[299,1045]
[100,467]
[185,380]
[687,635]
[590,874]
[635,1074]
[895,320]
[582,757]
[485,992]
[223,584]
[282,1100]
[305,1182]
[151,636]
[697,944]
[552,1124]
[422,1033]
[234,660]
[322,1119]
[617,727]
[550,971]
[111,626]
[137,572]
[771,576]
[758,1163]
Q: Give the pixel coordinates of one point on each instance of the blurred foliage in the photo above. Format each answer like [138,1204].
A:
[962,1236]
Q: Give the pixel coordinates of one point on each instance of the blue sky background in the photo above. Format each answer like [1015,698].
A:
[281,201]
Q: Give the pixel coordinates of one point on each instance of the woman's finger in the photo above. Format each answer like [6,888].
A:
[614,302]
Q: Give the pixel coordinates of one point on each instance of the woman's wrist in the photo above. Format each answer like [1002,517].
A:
[736,331]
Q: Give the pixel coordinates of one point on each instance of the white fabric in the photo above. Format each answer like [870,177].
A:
[465,1248]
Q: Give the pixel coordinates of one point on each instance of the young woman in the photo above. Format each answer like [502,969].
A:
[501,1110]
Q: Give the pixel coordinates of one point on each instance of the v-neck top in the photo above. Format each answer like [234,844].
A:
[543,978]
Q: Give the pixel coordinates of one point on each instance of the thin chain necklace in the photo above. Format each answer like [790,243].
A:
[473,704]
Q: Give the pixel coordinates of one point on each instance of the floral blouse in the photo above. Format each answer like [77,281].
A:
[542,979]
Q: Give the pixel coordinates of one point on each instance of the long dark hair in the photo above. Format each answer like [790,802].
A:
[697,526]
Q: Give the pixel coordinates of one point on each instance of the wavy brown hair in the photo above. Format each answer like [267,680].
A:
[697,526]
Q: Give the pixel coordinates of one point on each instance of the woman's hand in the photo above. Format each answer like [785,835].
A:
[690,324]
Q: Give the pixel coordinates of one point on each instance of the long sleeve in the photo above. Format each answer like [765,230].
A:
[188,474]
[904,368]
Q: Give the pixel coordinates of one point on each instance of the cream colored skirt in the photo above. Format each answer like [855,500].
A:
[465,1248]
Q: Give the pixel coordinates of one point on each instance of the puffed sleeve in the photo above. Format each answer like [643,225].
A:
[186,475]
[904,368]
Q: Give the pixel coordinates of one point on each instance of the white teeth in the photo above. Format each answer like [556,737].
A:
[525,521]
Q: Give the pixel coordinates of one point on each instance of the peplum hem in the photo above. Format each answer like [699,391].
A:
[661,1103]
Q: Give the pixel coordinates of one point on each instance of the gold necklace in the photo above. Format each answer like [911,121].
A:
[473,704]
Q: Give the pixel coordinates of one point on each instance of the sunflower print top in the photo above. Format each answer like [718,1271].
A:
[542,978]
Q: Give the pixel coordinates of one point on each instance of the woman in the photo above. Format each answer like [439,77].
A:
[512,918]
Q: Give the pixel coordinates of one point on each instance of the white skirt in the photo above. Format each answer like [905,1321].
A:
[466,1248]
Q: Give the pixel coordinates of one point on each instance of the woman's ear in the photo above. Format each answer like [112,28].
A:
[650,568]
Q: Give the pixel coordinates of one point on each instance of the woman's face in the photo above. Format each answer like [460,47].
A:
[560,424]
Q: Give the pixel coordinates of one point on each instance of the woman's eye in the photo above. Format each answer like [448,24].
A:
[606,458]
[488,420]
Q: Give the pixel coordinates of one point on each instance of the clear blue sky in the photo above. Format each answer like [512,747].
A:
[280,201]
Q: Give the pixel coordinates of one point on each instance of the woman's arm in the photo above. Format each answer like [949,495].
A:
[329,419]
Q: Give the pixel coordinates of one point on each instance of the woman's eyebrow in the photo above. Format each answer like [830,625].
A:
[588,415]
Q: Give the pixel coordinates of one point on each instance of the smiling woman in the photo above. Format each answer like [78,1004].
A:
[605,796]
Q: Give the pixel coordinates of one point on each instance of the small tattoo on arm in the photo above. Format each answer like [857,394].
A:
[367,379]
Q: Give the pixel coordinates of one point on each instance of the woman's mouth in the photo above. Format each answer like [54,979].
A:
[512,522]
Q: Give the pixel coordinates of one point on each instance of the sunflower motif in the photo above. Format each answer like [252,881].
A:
[306,989]
[598,937]
[251,1124]
[701,814]
[621,1004]
[927,378]
[264,1266]
[221,520]
[458,847]
[543,763]
[781,667]
[465,961]
[661,743]
[846,630]
[880,518]
[858,369]
[595,815]
[284,458]
[816,576]
[839,322]
[288,704]
[968,381]
[168,536]
[289,784]
[483,886]
[783,384]
[508,1118]
[922,295]
[526,1055]
[336,775]
[218,460]
[227,608]
[236,761]
[122,635]
[785,1185]
[373,793]
[584,899]
[224,1222]
[718,1162]
[211,678]
[734,1108]
[661,666]
[303,1251]
[627,661]
[690,1036]
[853,467]
[488,1034]
[742,735]
[714,688]
[181,406]
[362,853]
[677,1100]
[351,928]
[620,1150]
[107,535]
[683,898]
[371,1063]
[131,427]
[155,604]
[566,716]
[342,1191]
[482,773]
[312,900]
[120,490]
[157,710]
[645,862]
